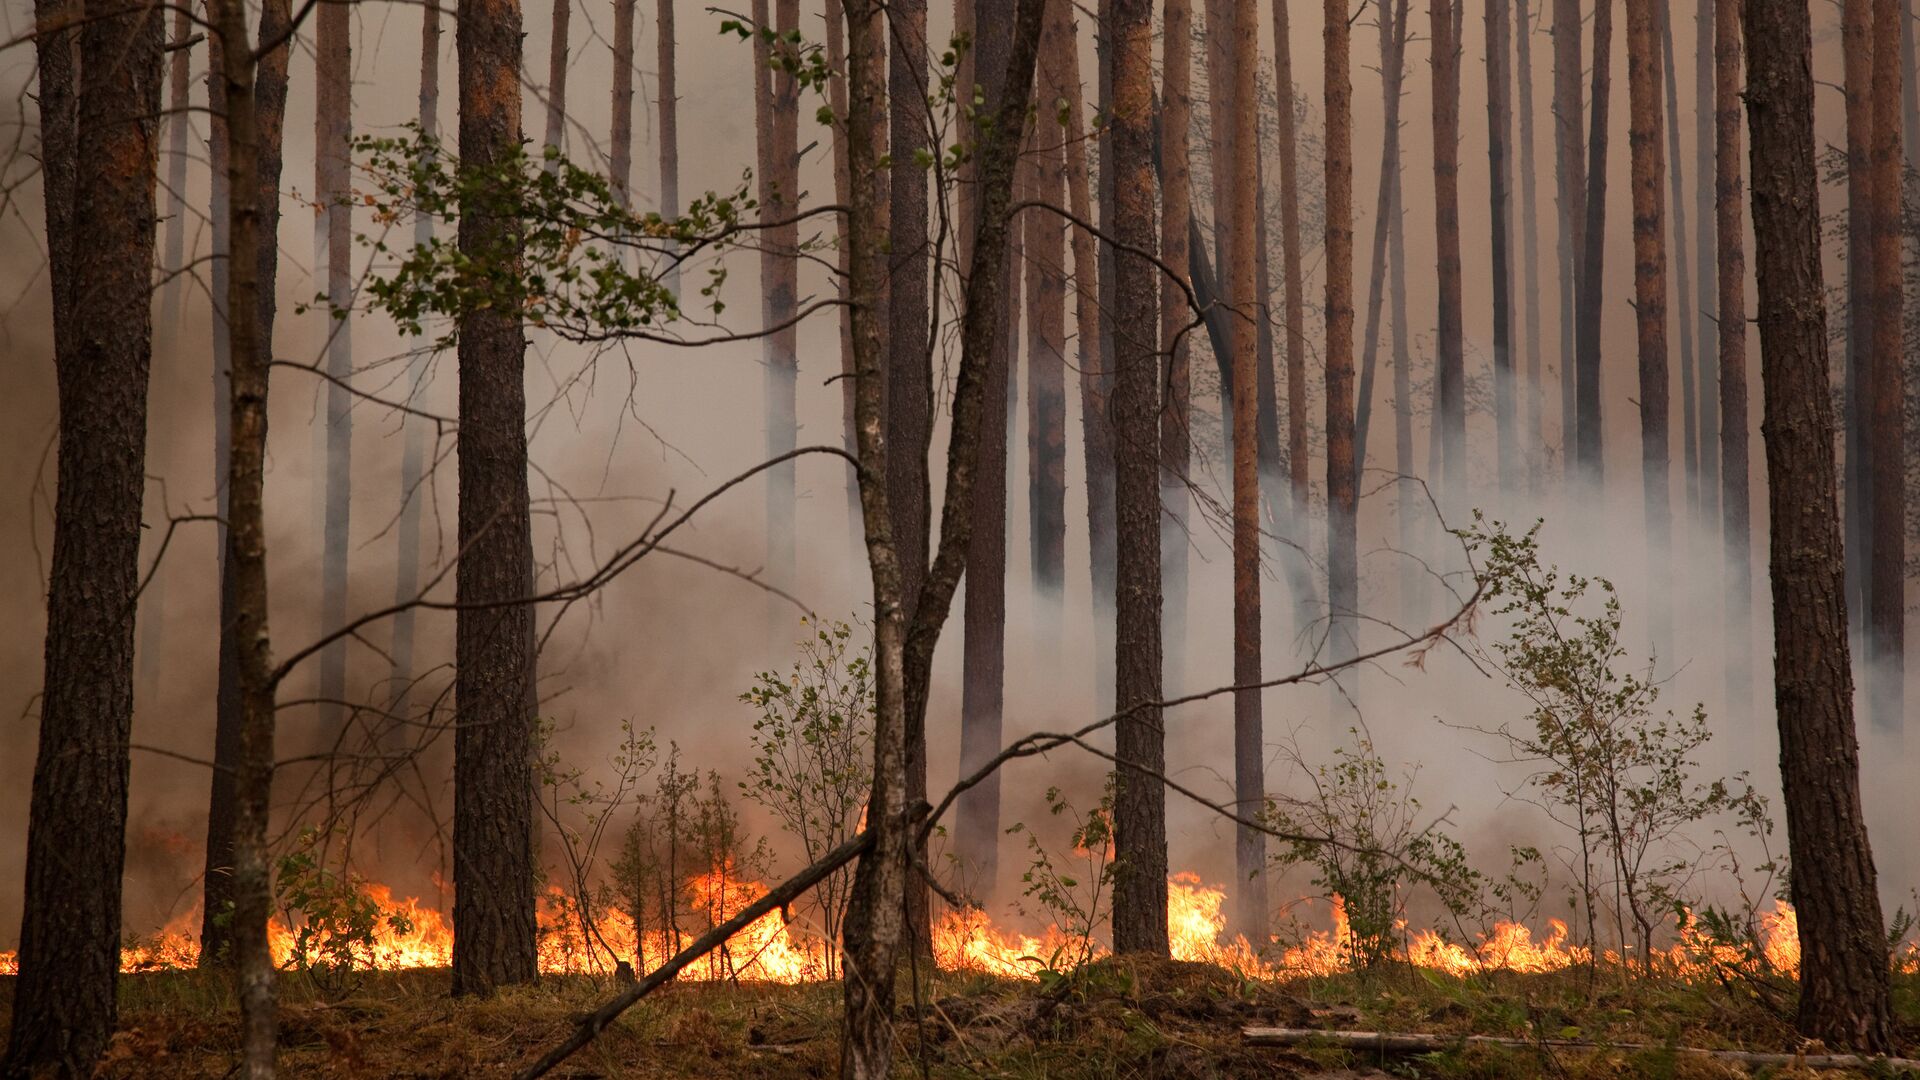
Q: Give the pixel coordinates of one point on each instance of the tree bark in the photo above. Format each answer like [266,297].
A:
[493,915]
[1531,435]
[412,461]
[1294,295]
[1045,244]
[1450,347]
[1646,151]
[776,122]
[101,105]
[1731,304]
[1587,459]
[1249,745]
[333,185]
[669,133]
[1692,384]
[268,81]
[1499,213]
[1139,810]
[983,658]
[1886,392]
[556,136]
[1844,963]
[1343,603]
[1569,178]
[1176,418]
[837,100]
[1409,504]
[620,150]
[1856,47]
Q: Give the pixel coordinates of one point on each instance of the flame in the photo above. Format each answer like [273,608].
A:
[409,934]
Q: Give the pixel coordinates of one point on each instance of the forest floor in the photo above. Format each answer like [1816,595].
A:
[1111,1019]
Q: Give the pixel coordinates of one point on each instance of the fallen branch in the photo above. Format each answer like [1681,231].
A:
[778,897]
[1390,1043]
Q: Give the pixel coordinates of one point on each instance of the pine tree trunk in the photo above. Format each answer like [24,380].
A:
[1294,295]
[837,100]
[1691,385]
[1731,260]
[1499,215]
[1587,459]
[1645,149]
[268,115]
[1532,437]
[620,152]
[1886,389]
[1409,504]
[983,657]
[1392,48]
[1705,315]
[1856,38]
[493,866]
[1176,426]
[1844,963]
[1249,744]
[254,103]
[1139,811]
[333,184]
[1569,178]
[556,136]
[1342,503]
[1450,347]
[413,455]
[776,130]
[669,133]
[100,101]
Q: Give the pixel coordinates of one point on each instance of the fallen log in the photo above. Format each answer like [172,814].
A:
[1385,1042]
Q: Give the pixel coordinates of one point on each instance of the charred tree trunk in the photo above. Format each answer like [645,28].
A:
[620,152]
[1644,142]
[1531,435]
[1176,427]
[100,101]
[1691,383]
[493,915]
[1886,389]
[1499,213]
[333,184]
[1569,178]
[413,455]
[267,114]
[1450,376]
[1139,802]
[1844,999]
[1294,296]
[983,658]
[1731,305]
[1587,458]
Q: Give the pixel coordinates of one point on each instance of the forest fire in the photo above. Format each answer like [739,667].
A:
[410,935]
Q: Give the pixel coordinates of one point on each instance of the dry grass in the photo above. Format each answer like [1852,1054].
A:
[1114,1018]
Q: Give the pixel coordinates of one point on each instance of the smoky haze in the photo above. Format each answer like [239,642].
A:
[669,645]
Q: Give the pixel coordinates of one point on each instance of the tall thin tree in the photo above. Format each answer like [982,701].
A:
[1692,384]
[1731,304]
[1500,221]
[1392,25]
[668,91]
[1293,295]
[1176,427]
[555,139]
[493,867]
[1569,180]
[620,135]
[1450,346]
[1705,314]
[1139,802]
[1587,458]
[1856,499]
[100,76]
[1045,245]
[333,185]
[1646,151]
[1531,404]
[1844,996]
[1886,387]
